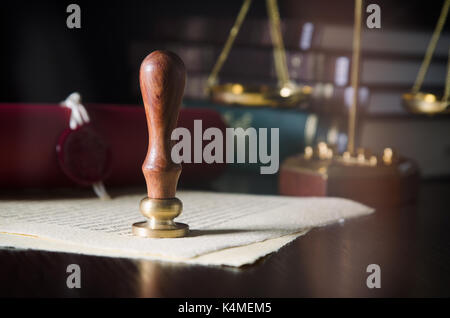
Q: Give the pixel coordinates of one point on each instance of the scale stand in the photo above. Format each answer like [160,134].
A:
[377,180]
[380,182]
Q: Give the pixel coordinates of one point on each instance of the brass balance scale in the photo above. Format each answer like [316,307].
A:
[419,102]
[379,180]
[285,94]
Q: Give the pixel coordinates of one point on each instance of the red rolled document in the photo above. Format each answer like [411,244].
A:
[30,134]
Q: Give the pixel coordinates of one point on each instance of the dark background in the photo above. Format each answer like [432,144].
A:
[44,61]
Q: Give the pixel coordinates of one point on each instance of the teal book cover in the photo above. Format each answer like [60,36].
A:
[296,128]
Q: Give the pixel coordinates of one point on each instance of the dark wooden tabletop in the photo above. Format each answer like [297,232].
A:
[411,245]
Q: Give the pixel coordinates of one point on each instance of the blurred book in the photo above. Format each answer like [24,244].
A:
[299,34]
[317,54]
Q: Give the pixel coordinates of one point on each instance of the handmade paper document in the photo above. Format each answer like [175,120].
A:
[226,229]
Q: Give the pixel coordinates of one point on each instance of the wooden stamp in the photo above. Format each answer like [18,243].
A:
[162,80]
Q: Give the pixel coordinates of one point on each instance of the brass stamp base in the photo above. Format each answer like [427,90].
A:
[170,230]
[160,214]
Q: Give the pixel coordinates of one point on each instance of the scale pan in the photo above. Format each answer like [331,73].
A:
[423,103]
[254,95]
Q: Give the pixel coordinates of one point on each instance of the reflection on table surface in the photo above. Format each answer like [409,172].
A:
[409,243]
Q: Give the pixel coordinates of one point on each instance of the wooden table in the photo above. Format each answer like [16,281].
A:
[411,244]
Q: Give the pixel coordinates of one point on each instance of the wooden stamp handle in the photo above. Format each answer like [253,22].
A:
[162,80]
